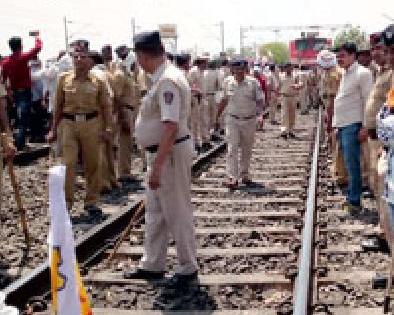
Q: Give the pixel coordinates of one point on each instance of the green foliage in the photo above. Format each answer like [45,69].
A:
[230,52]
[276,51]
[352,34]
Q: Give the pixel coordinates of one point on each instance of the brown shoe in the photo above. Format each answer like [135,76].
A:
[231,183]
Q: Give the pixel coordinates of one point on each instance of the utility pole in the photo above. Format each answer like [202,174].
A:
[222,34]
[132,30]
[241,40]
[65,32]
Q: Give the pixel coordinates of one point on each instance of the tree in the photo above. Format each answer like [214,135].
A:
[352,34]
[230,52]
[248,52]
[276,51]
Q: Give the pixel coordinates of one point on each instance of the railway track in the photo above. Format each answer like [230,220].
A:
[268,248]
[247,239]
[344,269]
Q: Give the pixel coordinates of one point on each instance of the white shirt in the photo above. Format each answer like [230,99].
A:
[353,91]
[168,99]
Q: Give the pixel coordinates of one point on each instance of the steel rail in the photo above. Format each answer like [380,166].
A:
[303,286]
[37,282]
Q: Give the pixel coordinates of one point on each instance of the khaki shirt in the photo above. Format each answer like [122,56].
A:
[242,97]
[197,79]
[81,97]
[377,97]
[286,82]
[3,91]
[211,80]
[331,80]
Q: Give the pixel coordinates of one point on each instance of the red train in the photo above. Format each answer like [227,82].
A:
[305,49]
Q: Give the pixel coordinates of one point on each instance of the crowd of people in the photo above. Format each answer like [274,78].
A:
[94,109]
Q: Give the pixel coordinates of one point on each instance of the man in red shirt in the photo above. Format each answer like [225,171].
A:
[16,70]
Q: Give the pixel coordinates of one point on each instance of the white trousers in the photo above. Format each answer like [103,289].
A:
[240,135]
[169,211]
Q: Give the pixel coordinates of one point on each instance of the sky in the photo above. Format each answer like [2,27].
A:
[109,22]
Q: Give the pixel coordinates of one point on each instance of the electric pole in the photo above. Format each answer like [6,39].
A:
[132,30]
[65,32]
[222,34]
[241,40]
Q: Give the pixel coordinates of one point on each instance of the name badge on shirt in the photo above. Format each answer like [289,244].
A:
[168,97]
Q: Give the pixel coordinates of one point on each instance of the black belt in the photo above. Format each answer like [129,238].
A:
[243,118]
[80,117]
[372,134]
[210,94]
[128,107]
[153,148]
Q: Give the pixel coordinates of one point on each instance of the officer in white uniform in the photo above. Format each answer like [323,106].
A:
[242,96]
[161,128]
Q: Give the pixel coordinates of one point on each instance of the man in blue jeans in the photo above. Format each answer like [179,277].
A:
[16,70]
[349,103]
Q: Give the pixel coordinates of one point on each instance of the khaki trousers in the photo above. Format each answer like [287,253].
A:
[339,169]
[169,211]
[1,176]
[240,135]
[195,121]
[126,145]
[212,108]
[107,163]
[204,120]
[365,163]
[304,100]
[288,113]
[273,107]
[85,134]
[374,149]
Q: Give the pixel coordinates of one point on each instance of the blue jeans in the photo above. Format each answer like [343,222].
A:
[351,148]
[22,99]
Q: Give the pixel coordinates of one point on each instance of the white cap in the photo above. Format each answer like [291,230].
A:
[257,69]
[326,59]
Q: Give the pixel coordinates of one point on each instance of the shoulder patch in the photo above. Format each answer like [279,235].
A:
[168,97]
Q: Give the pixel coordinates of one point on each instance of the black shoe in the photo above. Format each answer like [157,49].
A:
[197,148]
[283,135]
[140,273]
[127,179]
[177,281]
[206,146]
[94,210]
[292,135]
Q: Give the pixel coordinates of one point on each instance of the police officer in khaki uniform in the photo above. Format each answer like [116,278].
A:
[130,87]
[161,128]
[312,85]
[107,155]
[81,98]
[273,92]
[288,90]
[212,86]
[7,148]
[242,97]
[303,92]
[376,99]
[200,110]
